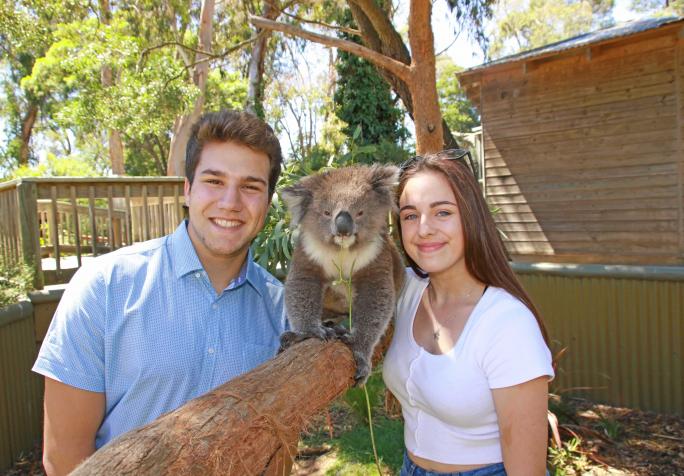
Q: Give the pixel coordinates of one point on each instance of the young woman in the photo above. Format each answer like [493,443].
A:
[469,360]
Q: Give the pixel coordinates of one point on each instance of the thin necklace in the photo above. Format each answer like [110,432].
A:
[436,334]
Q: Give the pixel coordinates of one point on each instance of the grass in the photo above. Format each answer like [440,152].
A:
[351,441]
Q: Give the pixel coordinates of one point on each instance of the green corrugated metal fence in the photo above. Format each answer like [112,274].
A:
[622,326]
[623,329]
[20,390]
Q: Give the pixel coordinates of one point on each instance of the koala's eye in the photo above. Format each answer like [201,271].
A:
[360,213]
[326,213]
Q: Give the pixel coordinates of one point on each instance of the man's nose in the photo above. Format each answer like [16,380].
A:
[230,198]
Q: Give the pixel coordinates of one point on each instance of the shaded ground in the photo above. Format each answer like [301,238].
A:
[614,441]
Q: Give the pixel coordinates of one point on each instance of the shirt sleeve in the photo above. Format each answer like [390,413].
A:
[73,349]
[514,351]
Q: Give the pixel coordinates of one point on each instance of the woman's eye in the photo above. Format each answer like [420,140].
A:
[443,213]
[411,216]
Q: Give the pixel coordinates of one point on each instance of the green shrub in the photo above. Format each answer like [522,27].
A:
[15,282]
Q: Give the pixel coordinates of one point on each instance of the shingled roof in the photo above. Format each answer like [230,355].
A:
[582,41]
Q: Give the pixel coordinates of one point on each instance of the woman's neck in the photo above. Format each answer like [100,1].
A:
[453,287]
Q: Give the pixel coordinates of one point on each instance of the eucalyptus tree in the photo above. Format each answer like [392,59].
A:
[412,75]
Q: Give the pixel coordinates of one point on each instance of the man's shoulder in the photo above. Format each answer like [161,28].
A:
[127,259]
[266,277]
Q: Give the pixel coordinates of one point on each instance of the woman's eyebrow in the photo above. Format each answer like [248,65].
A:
[442,202]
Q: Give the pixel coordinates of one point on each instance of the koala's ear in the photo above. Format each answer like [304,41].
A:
[297,198]
[384,178]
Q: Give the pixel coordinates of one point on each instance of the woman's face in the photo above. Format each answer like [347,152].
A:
[431,229]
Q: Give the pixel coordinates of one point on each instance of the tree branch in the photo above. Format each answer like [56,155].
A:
[351,31]
[396,67]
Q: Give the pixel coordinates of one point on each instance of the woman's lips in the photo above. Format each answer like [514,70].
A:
[429,247]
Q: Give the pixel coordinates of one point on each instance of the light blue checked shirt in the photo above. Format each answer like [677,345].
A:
[144,326]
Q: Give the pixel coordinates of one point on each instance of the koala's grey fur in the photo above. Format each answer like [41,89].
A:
[342,218]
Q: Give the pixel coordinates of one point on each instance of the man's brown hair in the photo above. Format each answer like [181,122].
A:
[234,126]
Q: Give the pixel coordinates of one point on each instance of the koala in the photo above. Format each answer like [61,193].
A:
[342,219]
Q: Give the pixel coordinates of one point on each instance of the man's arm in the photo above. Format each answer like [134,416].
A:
[72,418]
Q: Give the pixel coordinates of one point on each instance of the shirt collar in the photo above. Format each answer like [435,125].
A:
[183,254]
[186,261]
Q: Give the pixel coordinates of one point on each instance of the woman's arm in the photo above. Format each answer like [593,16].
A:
[522,414]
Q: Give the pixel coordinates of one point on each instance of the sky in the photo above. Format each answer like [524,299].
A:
[464,51]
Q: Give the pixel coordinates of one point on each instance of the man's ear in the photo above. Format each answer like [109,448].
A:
[186,191]
[297,198]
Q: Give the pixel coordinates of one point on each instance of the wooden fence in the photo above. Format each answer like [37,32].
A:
[52,224]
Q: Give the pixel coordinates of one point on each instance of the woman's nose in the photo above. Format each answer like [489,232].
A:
[425,227]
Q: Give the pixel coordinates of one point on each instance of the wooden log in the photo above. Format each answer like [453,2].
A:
[240,427]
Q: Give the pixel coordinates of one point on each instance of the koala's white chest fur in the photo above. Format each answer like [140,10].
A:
[343,259]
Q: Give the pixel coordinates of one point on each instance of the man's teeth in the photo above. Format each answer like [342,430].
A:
[226,223]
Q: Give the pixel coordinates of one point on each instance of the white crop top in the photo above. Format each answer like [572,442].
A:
[446,400]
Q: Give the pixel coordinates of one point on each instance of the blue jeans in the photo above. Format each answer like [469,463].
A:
[410,468]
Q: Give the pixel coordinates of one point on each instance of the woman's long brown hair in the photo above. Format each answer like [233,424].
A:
[485,256]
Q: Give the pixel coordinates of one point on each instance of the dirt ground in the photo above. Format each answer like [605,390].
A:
[615,441]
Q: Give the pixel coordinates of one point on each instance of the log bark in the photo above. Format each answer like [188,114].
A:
[240,427]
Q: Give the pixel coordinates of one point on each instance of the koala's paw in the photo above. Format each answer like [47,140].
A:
[363,369]
[338,332]
[289,338]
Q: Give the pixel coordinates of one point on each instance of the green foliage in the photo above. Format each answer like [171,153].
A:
[54,166]
[457,110]
[569,459]
[658,7]
[611,428]
[523,25]
[364,101]
[15,282]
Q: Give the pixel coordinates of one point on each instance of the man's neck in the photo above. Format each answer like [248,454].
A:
[222,271]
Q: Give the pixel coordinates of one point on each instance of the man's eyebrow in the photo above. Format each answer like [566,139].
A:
[251,178]
[219,173]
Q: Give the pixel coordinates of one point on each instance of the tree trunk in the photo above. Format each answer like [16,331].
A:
[239,428]
[414,80]
[183,124]
[27,124]
[426,114]
[115,144]
[255,87]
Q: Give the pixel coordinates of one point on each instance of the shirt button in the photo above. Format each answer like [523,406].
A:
[214,306]
[210,350]
[197,275]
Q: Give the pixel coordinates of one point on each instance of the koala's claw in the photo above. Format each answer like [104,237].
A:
[363,370]
[289,338]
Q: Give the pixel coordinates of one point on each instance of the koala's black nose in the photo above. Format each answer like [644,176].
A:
[344,224]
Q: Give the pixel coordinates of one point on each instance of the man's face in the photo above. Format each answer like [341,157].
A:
[227,201]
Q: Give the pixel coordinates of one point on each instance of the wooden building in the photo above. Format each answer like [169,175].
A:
[583,147]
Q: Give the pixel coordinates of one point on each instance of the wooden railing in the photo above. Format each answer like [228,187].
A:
[52,224]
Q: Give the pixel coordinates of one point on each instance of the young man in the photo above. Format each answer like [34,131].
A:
[142,330]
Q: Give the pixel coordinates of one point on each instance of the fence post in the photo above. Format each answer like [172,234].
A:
[27,193]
